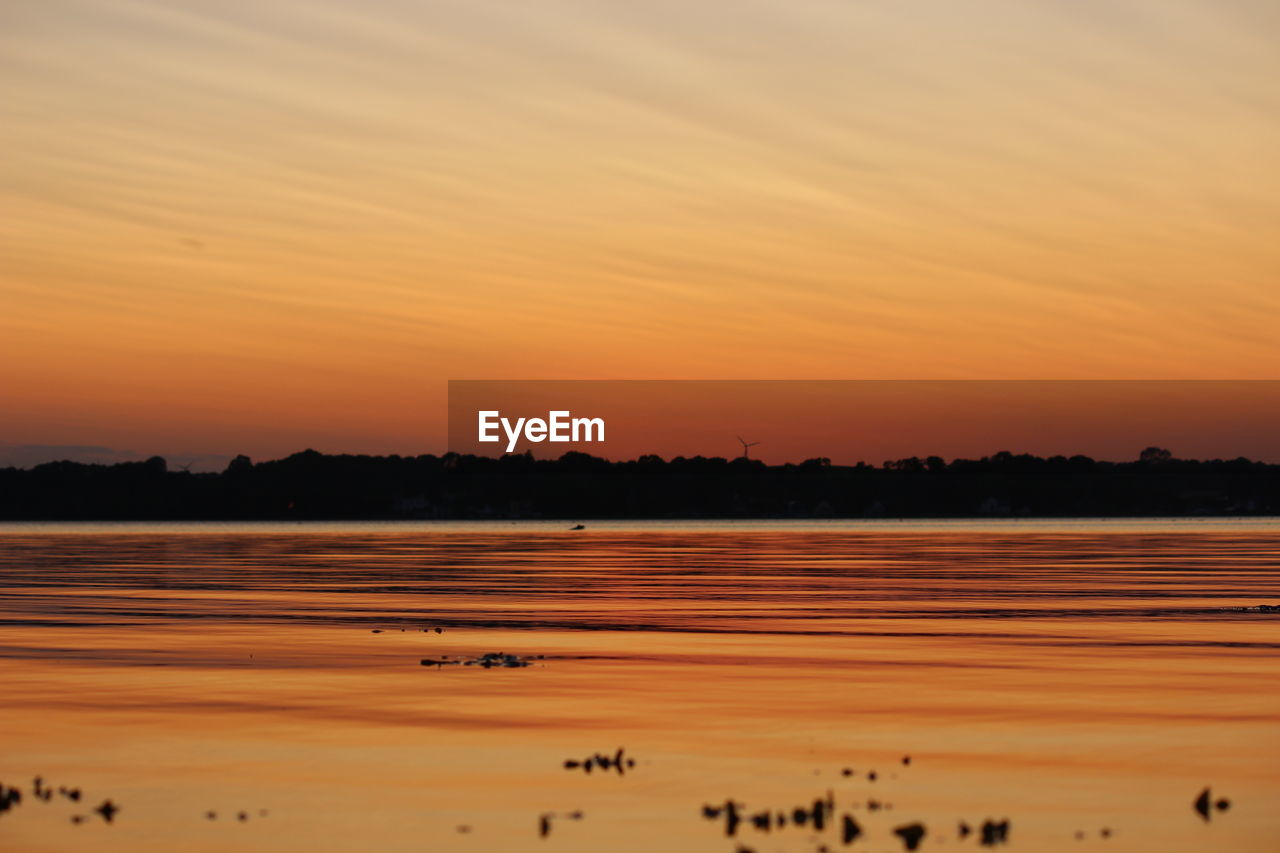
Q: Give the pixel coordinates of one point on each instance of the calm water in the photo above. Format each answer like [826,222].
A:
[1070,676]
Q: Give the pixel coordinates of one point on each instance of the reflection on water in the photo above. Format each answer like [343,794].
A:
[1073,677]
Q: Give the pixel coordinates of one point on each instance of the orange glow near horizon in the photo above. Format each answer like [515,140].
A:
[874,421]
[256,228]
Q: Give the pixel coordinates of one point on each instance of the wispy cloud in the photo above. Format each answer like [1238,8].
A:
[389,196]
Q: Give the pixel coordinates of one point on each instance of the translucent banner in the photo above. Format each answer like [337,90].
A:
[848,421]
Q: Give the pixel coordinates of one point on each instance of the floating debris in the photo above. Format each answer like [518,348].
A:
[108,810]
[849,829]
[545,819]
[618,761]
[818,811]
[9,797]
[1201,804]
[731,816]
[1204,804]
[994,832]
[491,659]
[578,527]
[488,660]
[817,814]
[911,834]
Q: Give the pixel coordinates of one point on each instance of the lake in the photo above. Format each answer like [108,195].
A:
[1084,680]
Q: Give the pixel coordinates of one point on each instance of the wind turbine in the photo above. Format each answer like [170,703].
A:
[746,446]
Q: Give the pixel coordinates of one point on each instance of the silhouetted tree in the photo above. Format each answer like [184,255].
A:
[1155,455]
[311,485]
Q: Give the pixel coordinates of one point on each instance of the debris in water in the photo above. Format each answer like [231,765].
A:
[1201,804]
[911,834]
[108,810]
[994,832]
[619,761]
[488,660]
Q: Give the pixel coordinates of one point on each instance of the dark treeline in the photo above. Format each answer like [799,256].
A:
[310,485]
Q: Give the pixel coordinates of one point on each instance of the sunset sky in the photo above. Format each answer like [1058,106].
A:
[254,227]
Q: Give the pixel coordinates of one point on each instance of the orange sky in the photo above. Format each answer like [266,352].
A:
[873,421]
[255,227]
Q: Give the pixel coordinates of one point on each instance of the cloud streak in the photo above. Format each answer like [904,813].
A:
[388,198]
